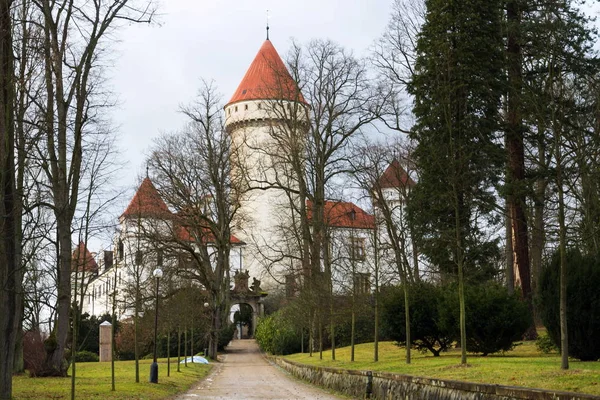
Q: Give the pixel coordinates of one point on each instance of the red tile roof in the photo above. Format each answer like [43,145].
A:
[395,177]
[183,233]
[267,78]
[342,214]
[147,203]
[83,260]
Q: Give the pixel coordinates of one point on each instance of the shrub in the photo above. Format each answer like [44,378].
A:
[34,352]
[277,334]
[495,319]
[545,344]
[426,333]
[364,324]
[86,356]
[225,335]
[583,303]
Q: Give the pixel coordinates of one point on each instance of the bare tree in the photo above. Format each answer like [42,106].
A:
[193,173]
[383,171]
[73,38]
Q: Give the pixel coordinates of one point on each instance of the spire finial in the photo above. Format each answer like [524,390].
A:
[267,24]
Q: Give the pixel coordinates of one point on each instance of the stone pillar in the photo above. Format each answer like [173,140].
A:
[254,321]
[105,341]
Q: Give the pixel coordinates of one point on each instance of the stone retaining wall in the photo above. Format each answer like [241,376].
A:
[388,386]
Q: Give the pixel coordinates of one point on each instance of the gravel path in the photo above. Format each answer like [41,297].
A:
[246,374]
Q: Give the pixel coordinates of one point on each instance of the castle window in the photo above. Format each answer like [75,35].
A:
[229,111]
[159,258]
[138,257]
[246,107]
[235,108]
[120,250]
[357,248]
[259,106]
[362,283]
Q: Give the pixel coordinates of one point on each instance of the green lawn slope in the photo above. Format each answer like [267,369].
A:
[523,366]
[94,382]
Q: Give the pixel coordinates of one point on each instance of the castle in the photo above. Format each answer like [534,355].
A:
[267,96]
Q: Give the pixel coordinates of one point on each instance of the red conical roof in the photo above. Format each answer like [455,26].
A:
[395,177]
[267,78]
[147,203]
[83,260]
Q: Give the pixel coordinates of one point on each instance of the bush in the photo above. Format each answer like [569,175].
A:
[583,303]
[34,352]
[276,334]
[86,356]
[225,335]
[426,334]
[495,320]
[364,324]
[545,344]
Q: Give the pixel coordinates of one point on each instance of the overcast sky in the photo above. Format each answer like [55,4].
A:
[159,68]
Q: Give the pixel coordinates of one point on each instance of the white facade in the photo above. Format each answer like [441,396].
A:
[133,261]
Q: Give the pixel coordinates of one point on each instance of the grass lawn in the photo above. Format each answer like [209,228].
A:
[523,366]
[94,382]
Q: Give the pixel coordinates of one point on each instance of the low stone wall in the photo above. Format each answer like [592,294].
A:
[388,386]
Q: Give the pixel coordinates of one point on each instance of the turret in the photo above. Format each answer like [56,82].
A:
[266,103]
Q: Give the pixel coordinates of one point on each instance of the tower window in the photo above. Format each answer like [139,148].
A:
[235,108]
[229,111]
[259,106]
[246,107]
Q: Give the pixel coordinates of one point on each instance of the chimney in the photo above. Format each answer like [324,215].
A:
[108,259]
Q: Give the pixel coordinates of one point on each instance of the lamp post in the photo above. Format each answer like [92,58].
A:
[154,367]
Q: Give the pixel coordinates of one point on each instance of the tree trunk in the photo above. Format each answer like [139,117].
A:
[19,363]
[407,320]
[10,272]
[510,260]
[135,339]
[332,326]
[562,232]
[56,364]
[516,155]
[352,329]
[178,347]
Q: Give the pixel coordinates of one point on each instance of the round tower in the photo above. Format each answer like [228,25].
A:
[266,107]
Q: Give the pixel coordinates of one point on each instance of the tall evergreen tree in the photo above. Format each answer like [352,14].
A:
[457,87]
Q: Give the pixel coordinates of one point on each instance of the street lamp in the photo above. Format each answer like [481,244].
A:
[154,367]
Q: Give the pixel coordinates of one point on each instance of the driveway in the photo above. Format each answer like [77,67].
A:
[246,374]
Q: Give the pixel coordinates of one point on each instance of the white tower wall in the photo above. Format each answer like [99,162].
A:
[265,211]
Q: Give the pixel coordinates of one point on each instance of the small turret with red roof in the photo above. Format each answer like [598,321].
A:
[395,177]
[147,203]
